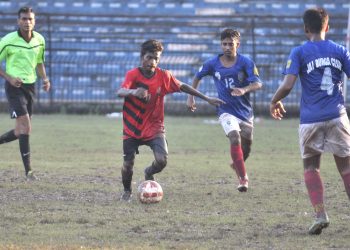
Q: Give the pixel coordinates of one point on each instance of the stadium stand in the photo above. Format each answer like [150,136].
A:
[91,44]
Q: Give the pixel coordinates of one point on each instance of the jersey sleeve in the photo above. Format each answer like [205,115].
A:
[204,70]
[252,72]
[346,62]
[41,54]
[128,81]
[3,52]
[170,83]
[293,64]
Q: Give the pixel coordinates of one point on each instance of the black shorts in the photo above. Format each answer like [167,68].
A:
[20,99]
[158,144]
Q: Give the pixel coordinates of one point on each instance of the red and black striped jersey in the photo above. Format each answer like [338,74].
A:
[145,119]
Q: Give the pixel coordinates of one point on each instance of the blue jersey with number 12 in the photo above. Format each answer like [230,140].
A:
[319,65]
[239,75]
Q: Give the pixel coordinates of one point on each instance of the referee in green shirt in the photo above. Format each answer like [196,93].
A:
[23,50]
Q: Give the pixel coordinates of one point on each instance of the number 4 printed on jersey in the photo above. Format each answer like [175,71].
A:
[327,83]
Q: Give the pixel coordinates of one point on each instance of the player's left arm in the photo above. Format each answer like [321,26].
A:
[190,90]
[252,77]
[42,73]
[249,88]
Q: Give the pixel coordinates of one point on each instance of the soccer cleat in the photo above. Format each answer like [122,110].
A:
[243,184]
[30,176]
[318,225]
[148,177]
[126,196]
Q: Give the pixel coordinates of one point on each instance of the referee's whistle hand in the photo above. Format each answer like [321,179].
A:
[16,82]
[46,86]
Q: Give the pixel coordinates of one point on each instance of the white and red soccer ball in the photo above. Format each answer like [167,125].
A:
[150,192]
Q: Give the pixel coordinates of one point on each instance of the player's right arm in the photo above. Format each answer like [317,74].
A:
[191,103]
[138,92]
[127,88]
[14,81]
[204,70]
[291,72]
[276,106]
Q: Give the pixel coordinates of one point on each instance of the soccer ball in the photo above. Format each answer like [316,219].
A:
[150,192]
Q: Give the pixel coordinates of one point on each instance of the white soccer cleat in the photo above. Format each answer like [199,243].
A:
[243,184]
[319,224]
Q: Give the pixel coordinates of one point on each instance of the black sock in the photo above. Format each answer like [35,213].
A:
[25,151]
[8,136]
[126,178]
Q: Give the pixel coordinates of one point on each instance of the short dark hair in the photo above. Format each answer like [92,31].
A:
[230,33]
[315,19]
[151,46]
[25,9]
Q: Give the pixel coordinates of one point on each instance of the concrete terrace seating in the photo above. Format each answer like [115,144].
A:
[176,7]
[91,44]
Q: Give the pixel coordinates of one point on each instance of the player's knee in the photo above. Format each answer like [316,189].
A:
[162,162]
[23,125]
[234,137]
[128,166]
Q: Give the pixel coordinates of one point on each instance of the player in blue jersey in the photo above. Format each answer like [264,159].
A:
[324,124]
[234,76]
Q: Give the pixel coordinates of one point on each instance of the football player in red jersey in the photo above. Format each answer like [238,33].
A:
[143,91]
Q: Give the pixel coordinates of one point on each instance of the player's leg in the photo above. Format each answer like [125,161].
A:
[246,137]
[338,142]
[8,136]
[246,147]
[21,106]
[312,143]
[315,190]
[232,129]
[238,159]
[22,131]
[127,173]
[160,150]
[246,143]
[130,149]
[12,95]
[343,165]
[314,184]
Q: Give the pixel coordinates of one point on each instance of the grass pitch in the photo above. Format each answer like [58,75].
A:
[75,205]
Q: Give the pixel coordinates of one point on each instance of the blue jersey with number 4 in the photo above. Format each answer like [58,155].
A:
[239,75]
[320,65]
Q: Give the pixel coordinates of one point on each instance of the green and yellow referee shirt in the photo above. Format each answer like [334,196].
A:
[22,57]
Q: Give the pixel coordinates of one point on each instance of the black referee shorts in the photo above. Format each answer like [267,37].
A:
[20,99]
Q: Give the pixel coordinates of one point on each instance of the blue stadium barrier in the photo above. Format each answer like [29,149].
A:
[92,44]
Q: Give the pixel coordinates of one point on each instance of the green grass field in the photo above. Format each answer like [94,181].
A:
[75,205]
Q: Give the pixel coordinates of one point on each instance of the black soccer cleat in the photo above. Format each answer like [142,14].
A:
[30,176]
[126,196]
[148,177]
